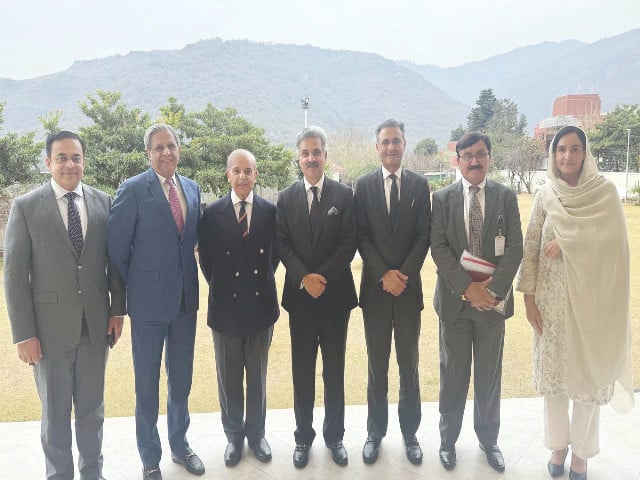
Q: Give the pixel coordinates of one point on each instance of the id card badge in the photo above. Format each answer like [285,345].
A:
[499,241]
[499,245]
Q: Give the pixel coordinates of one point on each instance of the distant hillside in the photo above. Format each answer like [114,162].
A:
[264,82]
[534,76]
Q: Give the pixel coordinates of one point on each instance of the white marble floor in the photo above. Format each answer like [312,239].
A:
[520,440]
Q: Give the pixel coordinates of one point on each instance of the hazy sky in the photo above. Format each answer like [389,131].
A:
[44,36]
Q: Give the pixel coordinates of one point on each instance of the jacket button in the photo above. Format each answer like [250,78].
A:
[255,272]
[237,274]
[234,295]
[79,292]
[79,267]
[262,250]
[228,253]
[257,293]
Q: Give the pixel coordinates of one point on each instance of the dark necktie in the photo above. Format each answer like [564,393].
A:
[242,219]
[475,222]
[314,212]
[73,221]
[174,203]
[393,200]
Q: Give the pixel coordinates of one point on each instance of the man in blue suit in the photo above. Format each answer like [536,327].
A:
[152,234]
[238,260]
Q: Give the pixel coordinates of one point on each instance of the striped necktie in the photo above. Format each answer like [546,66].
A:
[242,219]
[475,222]
[174,203]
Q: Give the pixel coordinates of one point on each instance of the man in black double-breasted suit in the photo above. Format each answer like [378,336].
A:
[238,260]
[393,209]
[316,240]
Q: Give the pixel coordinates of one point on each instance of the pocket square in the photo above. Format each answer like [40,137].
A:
[333,211]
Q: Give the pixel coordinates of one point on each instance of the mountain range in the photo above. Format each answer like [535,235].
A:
[347,89]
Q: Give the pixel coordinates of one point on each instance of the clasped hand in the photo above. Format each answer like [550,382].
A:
[479,296]
[394,282]
[314,284]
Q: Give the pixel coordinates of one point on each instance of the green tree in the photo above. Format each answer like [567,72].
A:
[19,156]
[480,115]
[351,154]
[609,139]
[426,147]
[212,134]
[522,159]
[495,115]
[456,134]
[51,122]
[115,149]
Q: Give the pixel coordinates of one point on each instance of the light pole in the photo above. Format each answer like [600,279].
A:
[626,180]
[305,107]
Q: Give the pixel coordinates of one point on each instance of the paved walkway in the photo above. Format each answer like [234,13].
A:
[520,440]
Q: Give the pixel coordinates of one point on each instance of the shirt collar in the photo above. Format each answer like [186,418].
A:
[320,183]
[235,199]
[466,184]
[164,179]
[60,192]
[386,173]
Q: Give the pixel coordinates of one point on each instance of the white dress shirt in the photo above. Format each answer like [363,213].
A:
[307,187]
[63,205]
[387,182]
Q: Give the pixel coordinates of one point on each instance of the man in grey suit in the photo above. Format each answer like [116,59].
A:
[393,207]
[482,216]
[63,302]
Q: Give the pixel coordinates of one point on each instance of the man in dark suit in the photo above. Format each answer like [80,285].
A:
[473,214]
[63,302]
[238,260]
[393,207]
[316,240]
[152,235]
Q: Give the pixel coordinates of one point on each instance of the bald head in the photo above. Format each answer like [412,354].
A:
[242,172]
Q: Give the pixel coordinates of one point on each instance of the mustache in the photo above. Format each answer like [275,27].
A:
[475,167]
[312,164]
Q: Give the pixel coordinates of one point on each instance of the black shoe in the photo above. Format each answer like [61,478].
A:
[261,449]
[232,453]
[338,453]
[448,456]
[301,455]
[370,450]
[577,476]
[556,470]
[151,473]
[494,456]
[414,452]
[190,461]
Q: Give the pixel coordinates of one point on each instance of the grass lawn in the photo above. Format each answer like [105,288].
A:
[19,401]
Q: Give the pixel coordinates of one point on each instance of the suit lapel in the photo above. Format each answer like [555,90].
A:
[300,195]
[405,187]
[50,206]
[91,204]
[489,206]
[457,211]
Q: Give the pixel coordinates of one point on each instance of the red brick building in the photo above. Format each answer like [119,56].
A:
[579,110]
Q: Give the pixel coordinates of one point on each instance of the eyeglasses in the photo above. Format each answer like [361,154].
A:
[396,142]
[480,156]
[62,159]
[172,147]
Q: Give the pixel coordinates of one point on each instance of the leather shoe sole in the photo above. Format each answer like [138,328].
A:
[370,450]
[448,457]
[494,456]
[338,453]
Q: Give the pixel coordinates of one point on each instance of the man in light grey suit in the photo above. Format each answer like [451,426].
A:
[479,209]
[393,208]
[63,302]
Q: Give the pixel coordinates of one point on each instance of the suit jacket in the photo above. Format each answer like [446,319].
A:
[240,272]
[449,239]
[329,253]
[48,287]
[383,247]
[157,263]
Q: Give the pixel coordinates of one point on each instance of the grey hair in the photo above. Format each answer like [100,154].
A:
[390,123]
[312,132]
[238,151]
[159,127]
